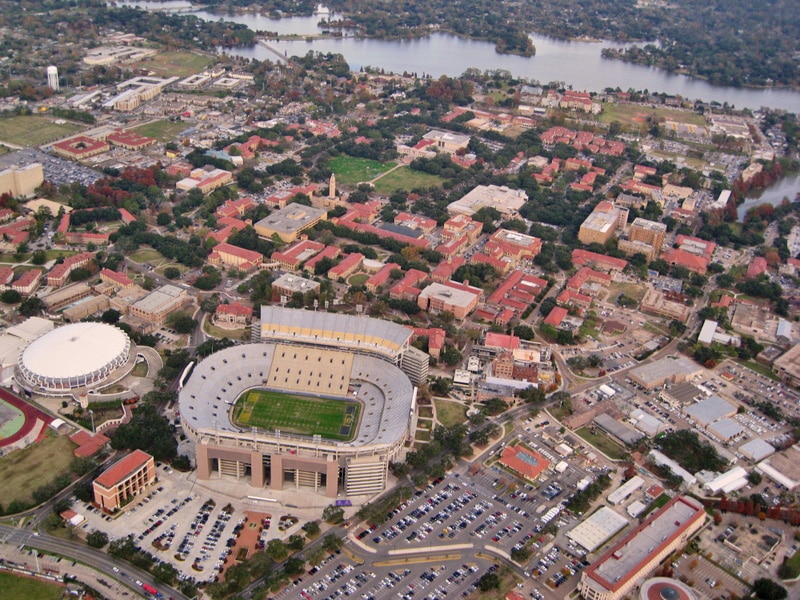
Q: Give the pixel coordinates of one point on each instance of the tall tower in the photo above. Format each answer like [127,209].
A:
[52,78]
[332,187]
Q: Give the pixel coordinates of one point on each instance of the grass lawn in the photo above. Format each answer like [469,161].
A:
[176,64]
[406,179]
[632,290]
[759,368]
[25,470]
[180,267]
[332,419]
[34,131]
[793,562]
[351,171]
[145,255]
[449,413]
[219,332]
[163,131]
[630,114]
[140,370]
[359,279]
[603,443]
[14,587]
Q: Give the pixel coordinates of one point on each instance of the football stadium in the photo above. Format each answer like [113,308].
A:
[319,401]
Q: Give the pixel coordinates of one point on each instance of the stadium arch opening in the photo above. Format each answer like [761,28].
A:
[314,367]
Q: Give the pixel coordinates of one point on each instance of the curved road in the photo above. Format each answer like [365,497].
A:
[98,560]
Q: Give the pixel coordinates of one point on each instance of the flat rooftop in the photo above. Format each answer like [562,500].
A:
[293,217]
[631,554]
[160,298]
[664,368]
[591,533]
[709,410]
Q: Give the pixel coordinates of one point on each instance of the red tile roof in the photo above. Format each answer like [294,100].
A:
[123,468]
[528,463]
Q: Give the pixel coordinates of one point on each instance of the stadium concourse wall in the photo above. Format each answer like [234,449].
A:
[276,459]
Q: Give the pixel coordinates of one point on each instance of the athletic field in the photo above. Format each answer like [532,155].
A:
[331,419]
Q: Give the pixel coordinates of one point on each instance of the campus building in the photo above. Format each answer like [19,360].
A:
[602,223]
[289,222]
[21,181]
[154,308]
[124,480]
[633,558]
[504,199]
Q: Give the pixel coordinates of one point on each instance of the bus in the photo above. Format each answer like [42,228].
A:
[152,591]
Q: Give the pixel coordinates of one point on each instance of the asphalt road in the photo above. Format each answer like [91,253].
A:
[98,560]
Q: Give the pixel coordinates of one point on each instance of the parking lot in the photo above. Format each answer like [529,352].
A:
[339,577]
[185,527]
[489,510]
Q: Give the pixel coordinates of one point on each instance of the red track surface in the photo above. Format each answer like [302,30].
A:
[31,414]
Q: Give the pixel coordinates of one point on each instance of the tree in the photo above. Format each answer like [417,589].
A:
[312,529]
[490,581]
[10,297]
[295,542]
[111,316]
[182,323]
[39,257]
[30,307]
[163,219]
[450,356]
[80,274]
[97,539]
[333,514]
[172,272]
[148,431]
[766,589]
[182,463]
[276,550]
[294,566]
[165,573]
[332,542]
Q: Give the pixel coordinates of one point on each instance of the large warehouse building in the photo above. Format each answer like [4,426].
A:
[307,354]
[74,356]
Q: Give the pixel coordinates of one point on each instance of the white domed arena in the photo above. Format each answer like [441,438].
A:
[74,356]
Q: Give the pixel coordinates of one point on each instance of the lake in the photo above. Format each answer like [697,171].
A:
[788,187]
[578,64]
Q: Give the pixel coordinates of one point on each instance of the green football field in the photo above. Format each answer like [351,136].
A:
[331,419]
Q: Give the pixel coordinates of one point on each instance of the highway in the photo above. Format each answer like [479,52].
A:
[100,561]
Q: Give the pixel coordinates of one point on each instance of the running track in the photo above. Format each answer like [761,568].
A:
[31,414]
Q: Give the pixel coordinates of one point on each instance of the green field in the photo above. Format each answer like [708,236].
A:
[147,255]
[404,178]
[34,131]
[603,443]
[450,413]
[351,171]
[635,115]
[331,419]
[14,587]
[358,279]
[163,131]
[25,470]
[176,64]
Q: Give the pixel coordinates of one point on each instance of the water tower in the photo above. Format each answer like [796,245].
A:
[52,78]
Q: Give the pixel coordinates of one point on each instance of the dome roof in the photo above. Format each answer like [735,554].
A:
[74,355]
